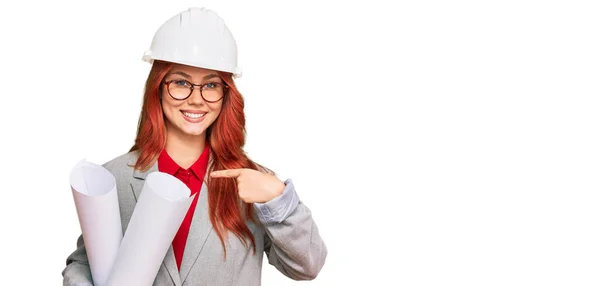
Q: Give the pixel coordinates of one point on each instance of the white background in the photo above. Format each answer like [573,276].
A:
[435,142]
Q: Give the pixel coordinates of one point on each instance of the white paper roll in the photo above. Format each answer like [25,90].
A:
[95,193]
[160,209]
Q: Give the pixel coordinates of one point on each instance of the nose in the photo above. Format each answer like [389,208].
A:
[196,97]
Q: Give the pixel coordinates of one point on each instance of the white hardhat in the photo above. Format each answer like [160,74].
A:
[196,37]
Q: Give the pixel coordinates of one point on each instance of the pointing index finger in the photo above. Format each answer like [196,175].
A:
[232,173]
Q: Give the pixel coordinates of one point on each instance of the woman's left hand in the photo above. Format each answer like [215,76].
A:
[253,186]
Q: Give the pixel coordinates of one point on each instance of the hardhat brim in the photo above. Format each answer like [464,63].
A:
[237,73]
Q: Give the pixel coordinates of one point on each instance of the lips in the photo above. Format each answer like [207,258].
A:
[193,115]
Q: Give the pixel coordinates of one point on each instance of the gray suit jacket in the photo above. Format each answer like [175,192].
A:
[286,232]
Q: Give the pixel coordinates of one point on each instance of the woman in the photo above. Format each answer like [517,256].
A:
[192,127]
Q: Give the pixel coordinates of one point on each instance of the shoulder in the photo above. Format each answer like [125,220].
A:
[121,163]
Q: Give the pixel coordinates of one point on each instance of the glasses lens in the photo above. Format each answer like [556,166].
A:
[180,89]
[212,91]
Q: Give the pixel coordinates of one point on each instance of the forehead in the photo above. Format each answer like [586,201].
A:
[194,72]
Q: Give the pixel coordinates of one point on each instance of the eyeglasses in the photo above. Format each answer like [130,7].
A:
[181,89]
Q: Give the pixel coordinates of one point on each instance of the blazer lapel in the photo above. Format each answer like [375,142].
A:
[199,231]
[171,266]
[139,177]
[137,183]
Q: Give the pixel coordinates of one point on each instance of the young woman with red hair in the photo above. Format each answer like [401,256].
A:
[192,126]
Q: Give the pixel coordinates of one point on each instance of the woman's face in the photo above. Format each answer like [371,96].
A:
[193,115]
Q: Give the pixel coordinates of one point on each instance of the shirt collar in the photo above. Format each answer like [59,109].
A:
[167,165]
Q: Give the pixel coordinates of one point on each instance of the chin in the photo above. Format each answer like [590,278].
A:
[194,132]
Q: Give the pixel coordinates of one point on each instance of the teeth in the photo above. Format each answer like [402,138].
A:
[193,115]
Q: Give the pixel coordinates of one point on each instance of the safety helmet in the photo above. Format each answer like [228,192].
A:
[196,37]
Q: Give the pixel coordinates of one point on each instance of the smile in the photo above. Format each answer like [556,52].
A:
[193,115]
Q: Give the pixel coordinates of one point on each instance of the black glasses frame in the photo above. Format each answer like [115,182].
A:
[168,83]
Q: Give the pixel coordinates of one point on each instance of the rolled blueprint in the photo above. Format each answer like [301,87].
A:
[95,193]
[159,211]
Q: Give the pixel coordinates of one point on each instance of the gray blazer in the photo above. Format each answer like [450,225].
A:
[286,232]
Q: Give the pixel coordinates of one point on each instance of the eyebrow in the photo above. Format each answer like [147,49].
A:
[187,76]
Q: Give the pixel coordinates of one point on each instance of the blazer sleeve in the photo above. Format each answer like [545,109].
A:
[77,272]
[292,241]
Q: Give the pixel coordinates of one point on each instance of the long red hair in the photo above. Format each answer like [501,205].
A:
[226,138]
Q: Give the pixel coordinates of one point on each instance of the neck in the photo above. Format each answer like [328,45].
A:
[183,148]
